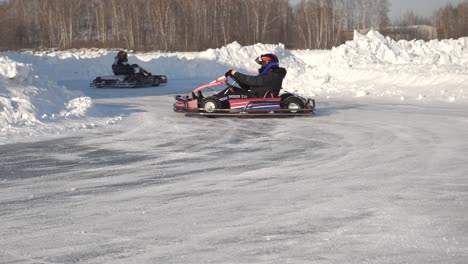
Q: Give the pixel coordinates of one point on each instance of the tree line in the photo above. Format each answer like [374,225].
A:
[452,20]
[193,25]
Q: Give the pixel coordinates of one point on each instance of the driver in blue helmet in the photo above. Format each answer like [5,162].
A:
[269,80]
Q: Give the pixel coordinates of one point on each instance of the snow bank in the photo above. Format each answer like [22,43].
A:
[27,101]
[374,48]
[375,66]
[88,63]
[13,70]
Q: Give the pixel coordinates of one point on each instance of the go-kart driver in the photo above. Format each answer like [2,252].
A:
[269,79]
[122,67]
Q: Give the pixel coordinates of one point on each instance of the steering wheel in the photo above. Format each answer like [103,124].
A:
[235,84]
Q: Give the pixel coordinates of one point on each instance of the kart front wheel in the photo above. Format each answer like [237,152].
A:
[293,104]
[210,104]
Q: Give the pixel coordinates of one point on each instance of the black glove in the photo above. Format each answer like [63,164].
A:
[228,73]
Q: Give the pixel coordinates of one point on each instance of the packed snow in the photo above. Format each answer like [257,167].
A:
[378,175]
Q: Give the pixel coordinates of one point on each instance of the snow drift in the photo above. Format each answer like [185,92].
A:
[27,100]
[374,48]
[378,67]
[370,66]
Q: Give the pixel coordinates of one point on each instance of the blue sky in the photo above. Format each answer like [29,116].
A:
[419,7]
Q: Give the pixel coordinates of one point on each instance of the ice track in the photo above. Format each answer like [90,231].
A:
[361,182]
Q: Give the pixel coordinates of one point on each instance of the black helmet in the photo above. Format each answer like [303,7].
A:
[267,61]
[122,55]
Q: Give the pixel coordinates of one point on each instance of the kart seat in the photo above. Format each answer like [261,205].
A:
[122,70]
[271,93]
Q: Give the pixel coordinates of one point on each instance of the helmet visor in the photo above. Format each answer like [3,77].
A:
[258,60]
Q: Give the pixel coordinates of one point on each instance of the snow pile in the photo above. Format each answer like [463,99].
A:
[67,65]
[13,70]
[374,48]
[28,102]
[77,107]
[374,66]
[208,64]
[15,103]
[236,56]
[86,64]
[377,58]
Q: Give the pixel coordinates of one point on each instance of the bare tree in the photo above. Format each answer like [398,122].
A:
[409,18]
[452,21]
[184,25]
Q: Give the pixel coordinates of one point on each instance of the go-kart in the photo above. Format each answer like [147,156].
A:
[197,104]
[128,81]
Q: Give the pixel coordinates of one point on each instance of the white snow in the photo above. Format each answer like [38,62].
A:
[370,66]
[115,176]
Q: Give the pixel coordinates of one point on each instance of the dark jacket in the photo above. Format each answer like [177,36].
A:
[121,67]
[262,83]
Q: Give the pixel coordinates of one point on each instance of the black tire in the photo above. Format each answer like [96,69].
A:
[285,95]
[293,103]
[98,82]
[156,81]
[210,104]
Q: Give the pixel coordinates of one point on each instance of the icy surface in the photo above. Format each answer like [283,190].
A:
[115,176]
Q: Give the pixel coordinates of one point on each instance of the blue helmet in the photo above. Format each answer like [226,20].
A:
[267,61]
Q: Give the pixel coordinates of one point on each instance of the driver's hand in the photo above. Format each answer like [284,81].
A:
[229,73]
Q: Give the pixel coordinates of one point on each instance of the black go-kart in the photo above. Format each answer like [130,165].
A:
[128,81]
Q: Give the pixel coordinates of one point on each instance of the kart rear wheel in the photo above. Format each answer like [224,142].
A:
[210,104]
[156,81]
[98,83]
[293,104]
[285,95]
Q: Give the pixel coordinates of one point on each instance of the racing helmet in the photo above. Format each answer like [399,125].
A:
[267,61]
[122,55]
